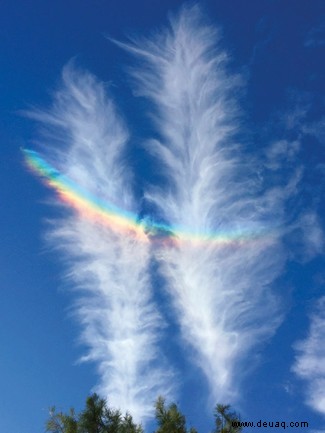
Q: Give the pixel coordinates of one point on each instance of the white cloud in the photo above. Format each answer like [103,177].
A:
[85,139]
[310,359]
[315,37]
[222,293]
[281,152]
[316,129]
[313,236]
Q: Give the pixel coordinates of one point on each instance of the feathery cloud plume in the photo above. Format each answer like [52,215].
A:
[85,139]
[310,359]
[221,293]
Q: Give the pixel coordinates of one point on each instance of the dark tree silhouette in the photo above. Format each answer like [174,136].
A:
[97,417]
[226,420]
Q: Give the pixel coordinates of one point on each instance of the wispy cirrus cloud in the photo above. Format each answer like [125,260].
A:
[293,156]
[85,140]
[221,293]
[309,362]
[315,37]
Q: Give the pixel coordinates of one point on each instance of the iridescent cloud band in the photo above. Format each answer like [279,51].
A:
[96,209]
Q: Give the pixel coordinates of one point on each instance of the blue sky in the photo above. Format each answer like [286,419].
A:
[265,355]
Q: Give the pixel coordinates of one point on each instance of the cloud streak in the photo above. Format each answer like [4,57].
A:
[221,294]
[85,139]
[310,359]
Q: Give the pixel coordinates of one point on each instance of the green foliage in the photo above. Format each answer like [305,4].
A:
[62,423]
[170,420]
[97,417]
[225,418]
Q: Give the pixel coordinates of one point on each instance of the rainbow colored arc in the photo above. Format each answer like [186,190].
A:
[98,210]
